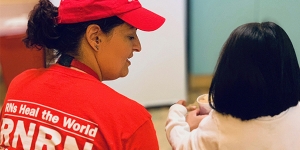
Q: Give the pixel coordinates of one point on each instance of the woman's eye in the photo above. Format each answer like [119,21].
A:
[131,37]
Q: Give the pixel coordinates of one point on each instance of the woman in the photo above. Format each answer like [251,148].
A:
[66,106]
[255,93]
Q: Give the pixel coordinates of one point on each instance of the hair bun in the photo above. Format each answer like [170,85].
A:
[48,8]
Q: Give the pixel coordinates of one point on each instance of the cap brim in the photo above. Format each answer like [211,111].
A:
[143,19]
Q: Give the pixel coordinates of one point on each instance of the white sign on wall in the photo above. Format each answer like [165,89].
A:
[157,75]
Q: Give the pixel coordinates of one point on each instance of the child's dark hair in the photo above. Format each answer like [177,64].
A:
[257,73]
[44,33]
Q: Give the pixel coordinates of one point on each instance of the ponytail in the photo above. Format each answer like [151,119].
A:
[41,28]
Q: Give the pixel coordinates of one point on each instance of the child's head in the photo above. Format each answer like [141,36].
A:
[257,72]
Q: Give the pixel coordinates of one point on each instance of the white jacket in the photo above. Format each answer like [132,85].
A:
[224,132]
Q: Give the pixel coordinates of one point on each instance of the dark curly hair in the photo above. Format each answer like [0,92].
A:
[43,32]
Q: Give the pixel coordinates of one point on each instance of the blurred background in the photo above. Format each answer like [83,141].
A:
[177,61]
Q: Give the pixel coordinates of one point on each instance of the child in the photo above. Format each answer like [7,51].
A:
[254,95]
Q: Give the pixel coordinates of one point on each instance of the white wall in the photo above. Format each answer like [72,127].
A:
[157,75]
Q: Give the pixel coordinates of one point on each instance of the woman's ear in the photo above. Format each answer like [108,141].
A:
[92,36]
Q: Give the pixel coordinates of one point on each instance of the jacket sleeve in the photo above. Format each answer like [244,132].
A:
[181,138]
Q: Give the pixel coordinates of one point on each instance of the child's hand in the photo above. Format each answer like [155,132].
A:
[193,118]
[194,115]
[189,107]
[181,102]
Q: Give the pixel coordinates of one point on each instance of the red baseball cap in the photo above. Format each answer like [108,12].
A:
[130,11]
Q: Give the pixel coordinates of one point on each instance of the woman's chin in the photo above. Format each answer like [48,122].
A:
[124,74]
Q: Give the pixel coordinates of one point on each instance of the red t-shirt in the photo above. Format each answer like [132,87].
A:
[60,108]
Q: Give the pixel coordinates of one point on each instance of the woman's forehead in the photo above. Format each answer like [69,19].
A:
[130,26]
[125,27]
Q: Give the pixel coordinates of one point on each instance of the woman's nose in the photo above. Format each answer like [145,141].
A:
[137,45]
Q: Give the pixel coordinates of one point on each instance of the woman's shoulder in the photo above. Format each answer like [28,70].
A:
[27,75]
[103,96]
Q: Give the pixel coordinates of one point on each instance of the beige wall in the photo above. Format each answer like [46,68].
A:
[13,15]
[13,8]
[10,9]
[17,1]
[198,85]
